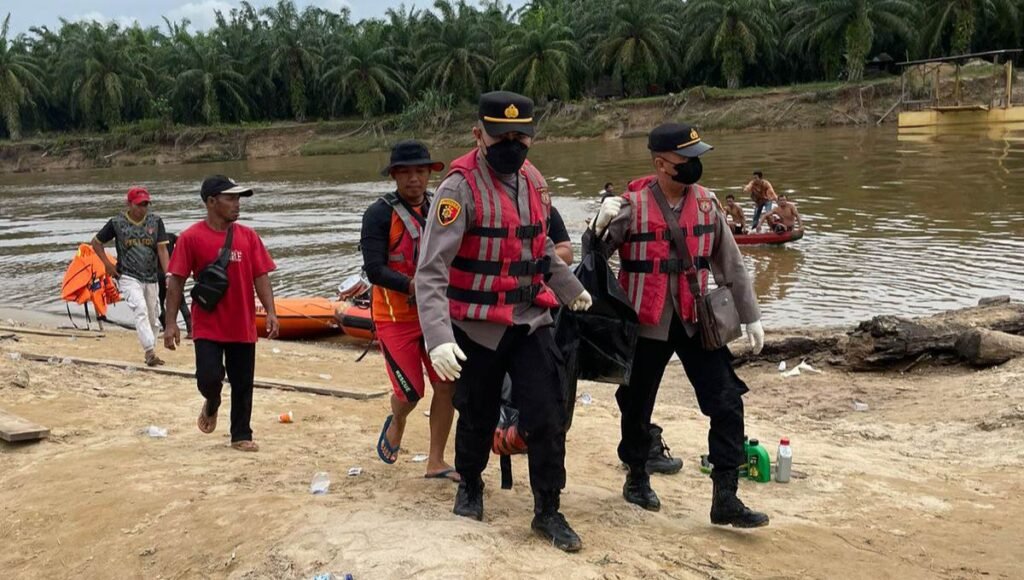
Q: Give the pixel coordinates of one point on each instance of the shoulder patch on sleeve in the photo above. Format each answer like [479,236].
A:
[448,211]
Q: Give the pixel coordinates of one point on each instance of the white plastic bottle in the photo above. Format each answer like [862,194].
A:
[783,461]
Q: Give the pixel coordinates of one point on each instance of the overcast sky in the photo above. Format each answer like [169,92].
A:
[27,13]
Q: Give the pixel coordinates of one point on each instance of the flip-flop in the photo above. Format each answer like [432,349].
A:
[445,474]
[209,421]
[387,453]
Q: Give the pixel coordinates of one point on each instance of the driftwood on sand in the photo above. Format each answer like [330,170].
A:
[983,335]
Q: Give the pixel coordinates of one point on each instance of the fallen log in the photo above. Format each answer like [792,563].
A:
[983,348]
[886,342]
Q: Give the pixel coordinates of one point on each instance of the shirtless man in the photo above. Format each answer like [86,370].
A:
[734,215]
[784,217]
[762,194]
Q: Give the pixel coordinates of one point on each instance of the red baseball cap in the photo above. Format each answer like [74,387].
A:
[137,195]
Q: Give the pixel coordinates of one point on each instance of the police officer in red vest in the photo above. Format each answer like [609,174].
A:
[654,277]
[484,307]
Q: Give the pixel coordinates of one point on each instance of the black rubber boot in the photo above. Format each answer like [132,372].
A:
[726,508]
[469,499]
[637,490]
[660,460]
[550,524]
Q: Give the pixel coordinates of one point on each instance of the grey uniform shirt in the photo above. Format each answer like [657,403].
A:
[438,247]
[726,266]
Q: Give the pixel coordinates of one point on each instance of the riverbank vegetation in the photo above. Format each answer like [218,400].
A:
[280,63]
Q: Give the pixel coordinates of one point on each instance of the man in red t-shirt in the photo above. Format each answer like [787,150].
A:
[225,337]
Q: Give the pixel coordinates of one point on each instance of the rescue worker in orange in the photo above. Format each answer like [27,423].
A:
[390,243]
[485,307]
[762,194]
[783,217]
[659,284]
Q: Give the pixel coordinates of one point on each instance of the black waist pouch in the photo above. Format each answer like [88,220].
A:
[212,281]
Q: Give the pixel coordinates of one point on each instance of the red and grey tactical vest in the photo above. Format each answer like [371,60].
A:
[484,279]
[645,255]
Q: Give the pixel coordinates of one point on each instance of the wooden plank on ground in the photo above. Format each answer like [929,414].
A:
[14,428]
[259,383]
[45,332]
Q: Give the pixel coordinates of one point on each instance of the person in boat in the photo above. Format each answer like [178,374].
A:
[607,191]
[485,307]
[390,240]
[734,215]
[172,239]
[654,276]
[762,194]
[141,242]
[560,236]
[224,332]
[784,217]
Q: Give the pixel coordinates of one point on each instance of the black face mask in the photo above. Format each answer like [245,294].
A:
[688,173]
[506,156]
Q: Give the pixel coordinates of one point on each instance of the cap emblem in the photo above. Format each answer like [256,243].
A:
[511,112]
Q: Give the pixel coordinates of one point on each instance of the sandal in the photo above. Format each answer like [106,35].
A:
[385,451]
[206,423]
[249,445]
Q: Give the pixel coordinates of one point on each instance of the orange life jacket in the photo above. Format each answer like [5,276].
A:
[86,280]
[403,253]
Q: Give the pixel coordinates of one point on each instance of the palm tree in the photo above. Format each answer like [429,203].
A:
[207,82]
[858,22]
[536,61]
[960,17]
[638,41]
[293,59]
[20,82]
[361,72]
[454,52]
[730,32]
[104,75]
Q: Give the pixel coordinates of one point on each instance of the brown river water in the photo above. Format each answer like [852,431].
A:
[894,226]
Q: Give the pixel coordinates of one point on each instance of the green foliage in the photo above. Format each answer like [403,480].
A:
[419,67]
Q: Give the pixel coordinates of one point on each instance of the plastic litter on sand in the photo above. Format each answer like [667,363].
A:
[808,368]
[795,371]
[325,376]
[320,484]
[782,366]
[419,458]
[276,351]
[859,406]
[354,471]
[155,432]
[586,399]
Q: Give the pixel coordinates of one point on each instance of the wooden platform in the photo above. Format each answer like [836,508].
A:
[14,428]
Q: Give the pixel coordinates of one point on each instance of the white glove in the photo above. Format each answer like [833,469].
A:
[582,302]
[755,333]
[445,359]
[609,209]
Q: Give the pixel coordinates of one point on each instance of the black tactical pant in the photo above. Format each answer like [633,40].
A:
[719,393]
[535,366]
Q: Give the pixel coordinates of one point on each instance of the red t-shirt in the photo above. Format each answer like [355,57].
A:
[234,318]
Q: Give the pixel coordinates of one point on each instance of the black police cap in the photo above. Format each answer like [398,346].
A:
[505,112]
[677,138]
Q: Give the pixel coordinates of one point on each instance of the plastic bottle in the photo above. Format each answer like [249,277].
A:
[784,461]
[759,466]
[320,484]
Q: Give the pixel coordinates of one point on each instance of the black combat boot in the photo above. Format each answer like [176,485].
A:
[660,460]
[726,508]
[637,490]
[551,524]
[469,499]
